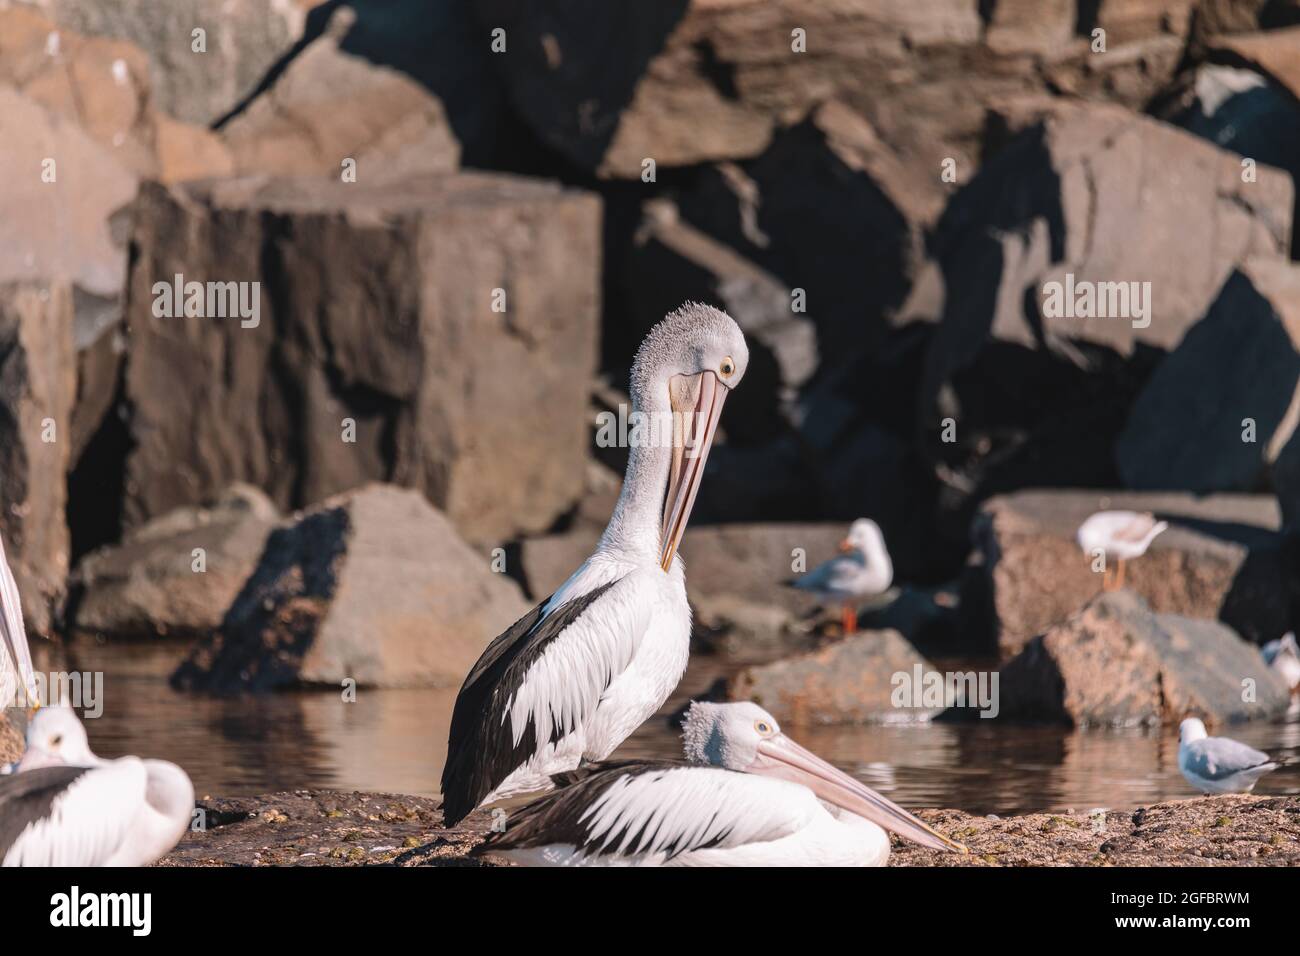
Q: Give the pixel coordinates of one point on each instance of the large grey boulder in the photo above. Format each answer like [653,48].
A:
[330,105]
[1017,388]
[243,40]
[851,681]
[704,80]
[1217,412]
[1221,558]
[59,230]
[374,586]
[38,381]
[1118,663]
[377,353]
[154,584]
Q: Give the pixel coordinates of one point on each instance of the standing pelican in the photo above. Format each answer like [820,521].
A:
[18,685]
[1283,656]
[64,806]
[749,796]
[1219,764]
[1121,535]
[574,677]
[860,571]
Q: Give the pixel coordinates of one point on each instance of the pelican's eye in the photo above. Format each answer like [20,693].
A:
[727,367]
[56,740]
[763,727]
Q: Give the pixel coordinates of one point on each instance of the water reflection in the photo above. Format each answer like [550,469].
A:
[396,741]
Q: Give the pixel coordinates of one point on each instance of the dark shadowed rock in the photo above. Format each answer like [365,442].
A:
[1105,197]
[38,380]
[373,586]
[846,682]
[330,105]
[1216,412]
[376,309]
[1117,663]
[693,81]
[1221,558]
[149,584]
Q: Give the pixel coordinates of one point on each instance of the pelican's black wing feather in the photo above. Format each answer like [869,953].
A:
[26,798]
[481,751]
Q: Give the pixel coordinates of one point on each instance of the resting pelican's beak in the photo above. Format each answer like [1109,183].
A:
[36,757]
[697,404]
[846,546]
[16,648]
[781,757]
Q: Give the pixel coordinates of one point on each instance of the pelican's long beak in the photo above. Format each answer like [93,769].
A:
[846,546]
[781,757]
[697,405]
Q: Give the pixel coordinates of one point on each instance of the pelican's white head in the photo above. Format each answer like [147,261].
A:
[1191,729]
[743,736]
[687,365]
[55,737]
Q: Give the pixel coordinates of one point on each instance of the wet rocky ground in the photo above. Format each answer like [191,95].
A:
[327,828]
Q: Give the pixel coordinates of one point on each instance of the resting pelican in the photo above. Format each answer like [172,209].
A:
[1283,656]
[749,796]
[1119,534]
[574,677]
[64,806]
[862,570]
[1218,764]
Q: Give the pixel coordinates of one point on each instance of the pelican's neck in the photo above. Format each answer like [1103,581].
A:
[634,530]
[877,558]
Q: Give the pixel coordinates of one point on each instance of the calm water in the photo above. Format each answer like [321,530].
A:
[395,740]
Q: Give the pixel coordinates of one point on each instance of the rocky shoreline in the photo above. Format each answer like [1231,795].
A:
[330,828]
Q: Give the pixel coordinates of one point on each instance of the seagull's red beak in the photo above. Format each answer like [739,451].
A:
[697,405]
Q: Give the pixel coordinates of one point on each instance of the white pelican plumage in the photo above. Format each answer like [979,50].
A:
[862,570]
[1219,764]
[16,671]
[64,806]
[574,677]
[1122,535]
[1283,656]
[749,796]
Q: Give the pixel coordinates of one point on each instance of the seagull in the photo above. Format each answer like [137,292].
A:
[64,806]
[748,796]
[1218,764]
[1283,656]
[1119,534]
[570,680]
[862,570]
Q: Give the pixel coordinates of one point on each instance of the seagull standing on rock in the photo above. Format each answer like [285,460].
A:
[862,570]
[569,681]
[1122,535]
[1219,764]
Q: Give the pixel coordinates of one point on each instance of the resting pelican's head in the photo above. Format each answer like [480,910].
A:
[55,737]
[1191,729]
[743,736]
[688,364]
